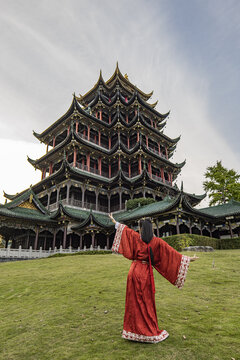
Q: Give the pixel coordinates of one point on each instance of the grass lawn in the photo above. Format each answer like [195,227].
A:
[72,308]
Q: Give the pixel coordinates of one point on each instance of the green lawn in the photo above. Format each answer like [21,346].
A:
[72,308]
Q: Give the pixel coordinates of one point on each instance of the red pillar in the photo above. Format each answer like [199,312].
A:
[109,119]
[47,148]
[171,178]
[138,136]
[151,122]
[109,171]
[88,161]
[129,169]
[128,142]
[74,157]
[159,152]
[139,165]
[77,127]
[150,167]
[166,152]
[68,130]
[162,175]
[100,114]
[127,118]
[119,161]
[147,141]
[84,133]
[99,138]
[88,133]
[83,163]
[54,140]
[109,142]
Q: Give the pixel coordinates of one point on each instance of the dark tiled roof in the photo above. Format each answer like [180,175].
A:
[230,208]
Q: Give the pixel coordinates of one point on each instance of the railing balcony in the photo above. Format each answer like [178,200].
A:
[157,152]
[92,140]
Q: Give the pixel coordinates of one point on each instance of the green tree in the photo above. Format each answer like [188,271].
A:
[221,184]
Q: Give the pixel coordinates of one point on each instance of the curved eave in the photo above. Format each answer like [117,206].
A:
[187,206]
[8,196]
[156,131]
[100,81]
[149,107]
[166,161]
[62,210]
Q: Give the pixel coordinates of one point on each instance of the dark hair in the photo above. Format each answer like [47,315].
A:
[147,234]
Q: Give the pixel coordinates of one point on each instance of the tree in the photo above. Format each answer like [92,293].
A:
[222,184]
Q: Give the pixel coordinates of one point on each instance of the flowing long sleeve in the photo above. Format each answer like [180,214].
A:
[171,264]
[125,241]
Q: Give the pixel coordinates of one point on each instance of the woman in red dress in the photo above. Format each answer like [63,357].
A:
[145,251]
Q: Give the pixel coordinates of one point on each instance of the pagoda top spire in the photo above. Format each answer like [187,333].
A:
[109,84]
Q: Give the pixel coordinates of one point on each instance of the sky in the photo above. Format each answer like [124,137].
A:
[187,51]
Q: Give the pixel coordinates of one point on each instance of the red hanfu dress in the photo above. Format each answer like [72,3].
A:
[140,319]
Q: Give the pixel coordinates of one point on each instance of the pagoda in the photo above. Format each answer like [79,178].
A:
[108,147]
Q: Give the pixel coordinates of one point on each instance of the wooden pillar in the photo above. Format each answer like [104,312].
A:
[138,136]
[230,228]
[166,150]
[139,165]
[150,167]
[151,122]
[99,138]
[200,228]
[47,149]
[77,127]
[120,199]
[54,140]
[162,175]
[36,239]
[100,114]
[109,171]
[68,130]
[50,168]
[68,191]
[88,133]
[80,241]
[84,132]
[177,226]
[109,143]
[119,162]
[109,203]
[65,237]
[128,142]
[88,161]
[127,118]
[129,169]
[109,119]
[108,242]
[74,157]
[147,141]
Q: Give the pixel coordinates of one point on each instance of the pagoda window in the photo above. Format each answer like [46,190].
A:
[90,199]
[102,202]
[104,141]
[124,166]
[105,169]
[114,139]
[114,168]
[133,140]
[75,196]
[63,193]
[114,202]
[148,194]
[158,198]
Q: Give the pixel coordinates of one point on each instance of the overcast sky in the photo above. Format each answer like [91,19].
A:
[187,51]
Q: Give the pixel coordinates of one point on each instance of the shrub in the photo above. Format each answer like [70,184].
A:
[87,252]
[134,203]
[179,242]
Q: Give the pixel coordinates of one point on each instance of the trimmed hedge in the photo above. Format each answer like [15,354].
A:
[134,203]
[181,241]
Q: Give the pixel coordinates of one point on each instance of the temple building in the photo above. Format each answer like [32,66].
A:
[108,147]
